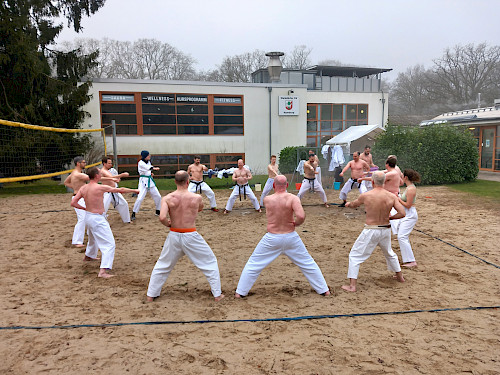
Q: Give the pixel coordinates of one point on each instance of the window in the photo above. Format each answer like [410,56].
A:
[172,114]
[326,120]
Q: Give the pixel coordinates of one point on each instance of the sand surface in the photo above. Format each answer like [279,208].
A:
[44,283]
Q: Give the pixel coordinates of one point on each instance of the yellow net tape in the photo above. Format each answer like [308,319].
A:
[50,129]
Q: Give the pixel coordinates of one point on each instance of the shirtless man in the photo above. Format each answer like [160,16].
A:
[358,167]
[366,181]
[178,211]
[378,204]
[196,184]
[272,172]
[318,168]
[281,238]
[107,178]
[99,231]
[311,181]
[75,181]
[241,177]
[393,175]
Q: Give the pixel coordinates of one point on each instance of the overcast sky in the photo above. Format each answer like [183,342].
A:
[393,34]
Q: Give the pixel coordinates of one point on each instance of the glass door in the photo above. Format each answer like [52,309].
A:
[487,147]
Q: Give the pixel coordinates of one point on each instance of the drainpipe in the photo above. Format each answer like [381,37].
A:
[383,109]
[270,89]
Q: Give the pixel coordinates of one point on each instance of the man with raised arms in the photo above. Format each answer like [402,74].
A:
[99,231]
[378,204]
[75,181]
[146,183]
[393,175]
[281,238]
[358,167]
[318,168]
[196,183]
[241,177]
[178,211]
[311,181]
[272,172]
[107,178]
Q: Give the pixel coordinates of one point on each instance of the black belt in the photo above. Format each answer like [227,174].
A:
[311,188]
[244,190]
[115,202]
[354,181]
[198,185]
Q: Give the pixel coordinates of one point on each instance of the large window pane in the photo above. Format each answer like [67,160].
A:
[119,119]
[312,126]
[192,109]
[117,108]
[338,112]
[193,130]
[337,126]
[228,120]
[186,119]
[126,129]
[158,119]
[311,142]
[311,112]
[362,111]
[158,129]
[351,112]
[228,110]
[228,129]
[326,125]
[166,159]
[326,112]
[158,109]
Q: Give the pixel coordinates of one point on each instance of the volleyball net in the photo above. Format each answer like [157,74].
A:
[31,152]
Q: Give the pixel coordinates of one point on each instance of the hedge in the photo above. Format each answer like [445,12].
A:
[441,154]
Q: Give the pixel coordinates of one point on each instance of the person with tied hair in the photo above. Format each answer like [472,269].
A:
[284,213]
[99,231]
[196,183]
[378,204]
[405,225]
[146,183]
[178,212]
[75,181]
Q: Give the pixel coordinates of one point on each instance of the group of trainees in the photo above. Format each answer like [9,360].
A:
[178,210]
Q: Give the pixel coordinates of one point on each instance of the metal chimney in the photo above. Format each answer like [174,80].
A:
[274,67]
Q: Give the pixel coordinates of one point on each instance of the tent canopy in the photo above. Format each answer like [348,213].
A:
[359,136]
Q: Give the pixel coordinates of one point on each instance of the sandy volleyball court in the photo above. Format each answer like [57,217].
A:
[44,283]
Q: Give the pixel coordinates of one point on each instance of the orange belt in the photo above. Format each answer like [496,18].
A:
[183,230]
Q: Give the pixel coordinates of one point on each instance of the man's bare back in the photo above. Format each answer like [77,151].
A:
[393,181]
[280,209]
[182,207]
[378,204]
[76,180]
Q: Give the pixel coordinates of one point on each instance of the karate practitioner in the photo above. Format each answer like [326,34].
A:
[197,184]
[281,238]
[393,180]
[146,183]
[405,225]
[183,206]
[358,167]
[75,181]
[272,172]
[378,204]
[241,177]
[318,168]
[311,181]
[366,184]
[108,178]
[99,231]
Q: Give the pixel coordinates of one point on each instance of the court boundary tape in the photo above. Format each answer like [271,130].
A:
[297,318]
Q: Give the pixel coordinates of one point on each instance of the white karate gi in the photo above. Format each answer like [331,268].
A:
[365,186]
[268,249]
[197,250]
[201,186]
[348,187]
[403,229]
[100,238]
[119,203]
[146,184]
[307,185]
[245,189]
[364,246]
[79,231]
[267,189]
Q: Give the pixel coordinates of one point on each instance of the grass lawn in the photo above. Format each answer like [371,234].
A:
[482,188]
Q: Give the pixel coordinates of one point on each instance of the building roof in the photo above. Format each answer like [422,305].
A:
[346,71]
[467,116]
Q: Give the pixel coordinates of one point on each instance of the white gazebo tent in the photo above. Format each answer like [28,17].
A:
[355,138]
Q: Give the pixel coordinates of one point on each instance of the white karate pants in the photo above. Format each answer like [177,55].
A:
[306,186]
[403,230]
[119,203]
[365,186]
[268,249]
[79,231]
[267,189]
[197,250]
[100,238]
[348,187]
[143,189]
[364,246]
[193,188]
[318,169]
[236,193]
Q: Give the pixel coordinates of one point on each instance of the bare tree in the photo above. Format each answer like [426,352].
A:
[410,91]
[298,58]
[239,68]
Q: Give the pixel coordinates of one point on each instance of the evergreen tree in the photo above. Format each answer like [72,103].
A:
[39,85]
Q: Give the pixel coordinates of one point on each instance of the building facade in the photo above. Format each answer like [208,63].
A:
[223,122]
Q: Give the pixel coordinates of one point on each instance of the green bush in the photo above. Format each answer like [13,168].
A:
[441,154]
[288,159]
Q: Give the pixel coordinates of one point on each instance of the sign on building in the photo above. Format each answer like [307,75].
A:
[288,105]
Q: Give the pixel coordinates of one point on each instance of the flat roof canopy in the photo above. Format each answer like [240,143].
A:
[346,71]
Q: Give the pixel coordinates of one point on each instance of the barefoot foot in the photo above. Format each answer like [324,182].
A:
[217,299]
[236,295]
[150,299]
[349,288]
[399,277]
[326,294]
[89,259]
[409,264]
[104,274]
